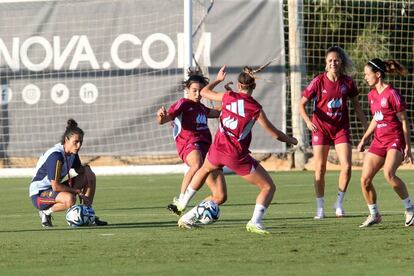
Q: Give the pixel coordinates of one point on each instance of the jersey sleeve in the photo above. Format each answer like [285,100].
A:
[176,108]
[311,90]
[397,101]
[205,108]
[54,166]
[353,89]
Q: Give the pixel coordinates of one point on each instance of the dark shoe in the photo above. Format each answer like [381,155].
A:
[45,219]
[173,209]
[99,222]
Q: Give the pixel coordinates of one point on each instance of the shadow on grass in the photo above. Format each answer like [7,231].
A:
[224,205]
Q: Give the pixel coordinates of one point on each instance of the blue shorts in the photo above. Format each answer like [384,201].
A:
[45,199]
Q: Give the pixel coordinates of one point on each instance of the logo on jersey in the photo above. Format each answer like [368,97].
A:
[201,119]
[237,107]
[378,116]
[335,103]
[383,102]
[230,123]
[324,91]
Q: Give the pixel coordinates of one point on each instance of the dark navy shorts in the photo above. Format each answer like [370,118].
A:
[45,199]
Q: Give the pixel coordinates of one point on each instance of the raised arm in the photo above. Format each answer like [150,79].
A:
[162,116]
[274,132]
[208,93]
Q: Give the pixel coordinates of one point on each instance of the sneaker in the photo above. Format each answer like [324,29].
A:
[339,211]
[45,219]
[409,217]
[257,228]
[319,215]
[371,220]
[176,207]
[187,224]
[99,222]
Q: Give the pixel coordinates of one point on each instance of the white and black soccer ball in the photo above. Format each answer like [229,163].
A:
[80,215]
[208,212]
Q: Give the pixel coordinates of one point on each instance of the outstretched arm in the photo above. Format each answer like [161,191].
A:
[208,92]
[274,132]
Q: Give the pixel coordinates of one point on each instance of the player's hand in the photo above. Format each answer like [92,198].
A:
[86,200]
[408,155]
[293,141]
[312,127]
[227,86]
[221,75]
[162,112]
[361,146]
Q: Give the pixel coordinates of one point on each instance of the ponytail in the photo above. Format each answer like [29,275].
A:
[71,129]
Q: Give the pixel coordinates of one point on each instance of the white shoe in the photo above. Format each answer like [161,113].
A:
[320,214]
[339,211]
[409,217]
[371,220]
[187,223]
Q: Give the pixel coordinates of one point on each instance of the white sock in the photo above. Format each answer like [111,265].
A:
[258,213]
[373,209]
[320,204]
[188,195]
[407,203]
[339,199]
[48,211]
[180,196]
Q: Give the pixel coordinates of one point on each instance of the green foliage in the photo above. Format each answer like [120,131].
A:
[143,238]
[370,43]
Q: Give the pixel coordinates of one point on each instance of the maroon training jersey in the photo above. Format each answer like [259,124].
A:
[384,109]
[238,114]
[330,111]
[189,122]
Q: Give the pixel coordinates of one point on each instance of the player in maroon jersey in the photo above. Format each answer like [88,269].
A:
[190,130]
[230,148]
[391,144]
[330,92]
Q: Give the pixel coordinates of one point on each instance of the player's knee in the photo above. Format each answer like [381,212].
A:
[366,182]
[69,200]
[389,176]
[89,173]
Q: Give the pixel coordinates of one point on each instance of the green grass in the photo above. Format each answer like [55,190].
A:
[143,237]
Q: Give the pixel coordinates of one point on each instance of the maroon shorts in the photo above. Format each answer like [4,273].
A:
[45,199]
[242,165]
[381,148]
[201,147]
[319,138]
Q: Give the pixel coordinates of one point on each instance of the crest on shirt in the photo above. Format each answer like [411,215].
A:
[343,89]
[383,102]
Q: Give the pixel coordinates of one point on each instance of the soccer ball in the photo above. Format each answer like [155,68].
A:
[208,212]
[80,215]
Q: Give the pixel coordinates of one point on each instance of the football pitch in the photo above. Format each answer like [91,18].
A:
[143,237]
